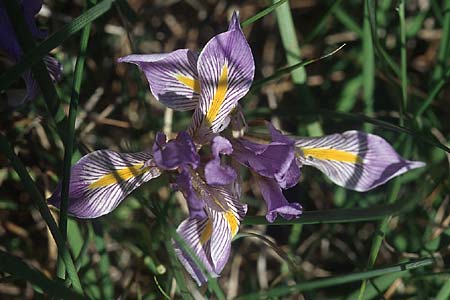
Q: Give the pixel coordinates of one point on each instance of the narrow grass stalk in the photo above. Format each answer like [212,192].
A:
[444,292]
[381,232]
[332,216]
[347,20]
[336,280]
[30,187]
[106,285]
[293,56]
[368,66]
[318,27]
[284,71]
[403,64]
[70,136]
[20,270]
[376,42]
[262,13]
[433,94]
[290,42]
[444,46]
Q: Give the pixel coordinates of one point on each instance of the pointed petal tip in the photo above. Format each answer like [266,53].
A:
[416,164]
[234,22]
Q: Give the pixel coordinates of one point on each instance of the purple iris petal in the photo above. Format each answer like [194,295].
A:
[175,153]
[172,77]
[354,159]
[195,205]
[225,69]
[101,180]
[274,160]
[276,202]
[191,231]
[215,173]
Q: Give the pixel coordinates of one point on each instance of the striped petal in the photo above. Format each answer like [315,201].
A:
[354,159]
[172,77]
[209,236]
[226,69]
[193,231]
[100,180]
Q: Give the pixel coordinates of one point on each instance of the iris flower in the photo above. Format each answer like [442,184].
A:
[11,52]
[207,157]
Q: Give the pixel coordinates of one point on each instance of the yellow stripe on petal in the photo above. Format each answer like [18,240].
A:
[233,222]
[332,154]
[206,232]
[119,175]
[189,82]
[219,96]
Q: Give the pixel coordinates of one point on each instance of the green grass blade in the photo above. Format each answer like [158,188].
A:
[290,42]
[347,20]
[70,136]
[330,216]
[15,266]
[433,94]
[284,71]
[368,66]
[53,41]
[106,285]
[379,237]
[382,283]
[444,46]
[292,51]
[444,292]
[337,280]
[262,13]
[30,187]
[403,63]
[376,42]
[318,27]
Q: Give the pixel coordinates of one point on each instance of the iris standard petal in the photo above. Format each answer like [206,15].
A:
[175,153]
[276,202]
[100,180]
[226,69]
[274,159]
[172,77]
[354,159]
[215,172]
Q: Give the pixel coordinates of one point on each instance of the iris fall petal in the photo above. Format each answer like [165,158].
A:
[354,159]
